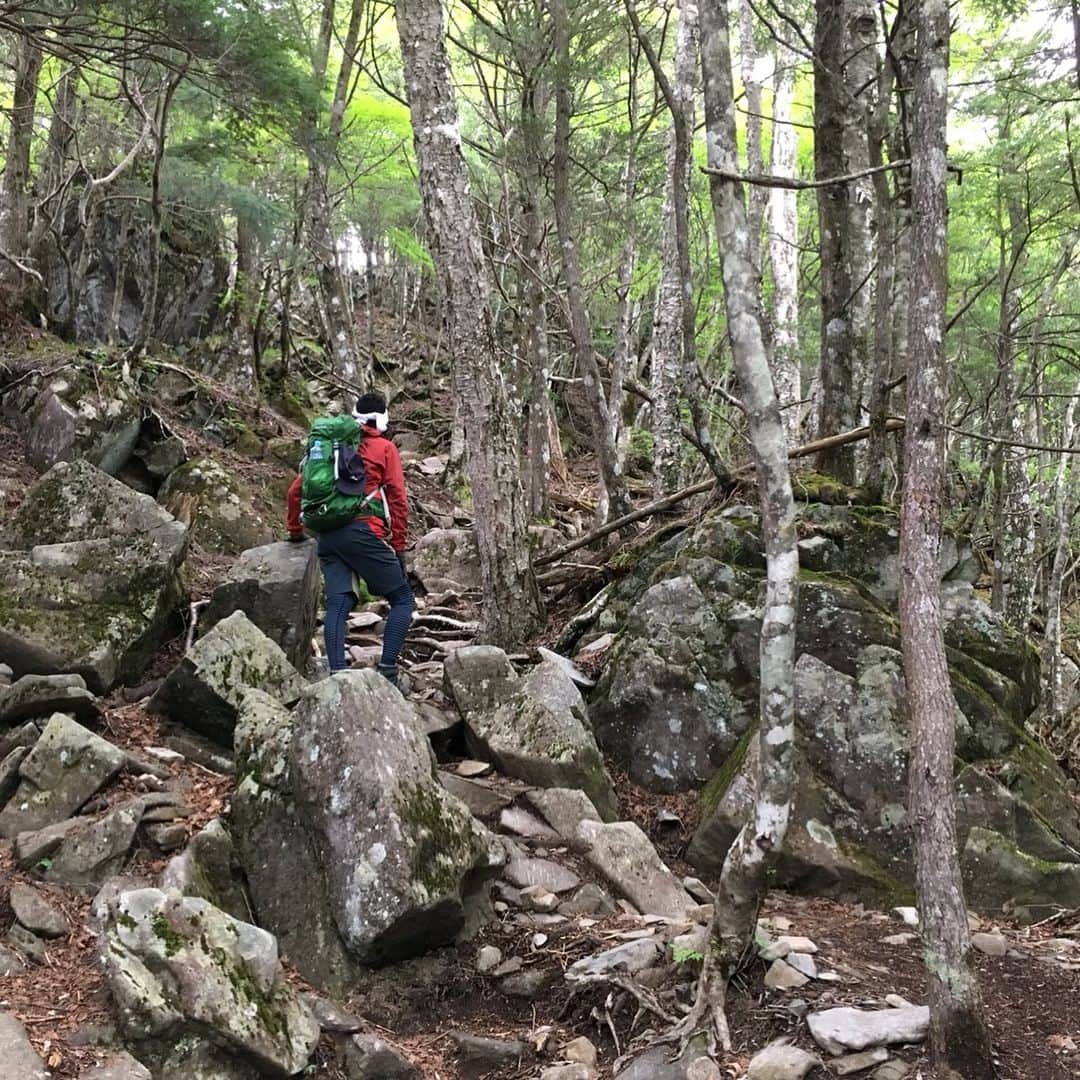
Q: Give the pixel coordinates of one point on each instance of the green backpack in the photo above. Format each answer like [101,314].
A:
[332,486]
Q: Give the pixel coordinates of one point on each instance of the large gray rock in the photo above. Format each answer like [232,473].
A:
[699,594]
[997,875]
[341,794]
[368,1057]
[224,520]
[447,560]
[844,1029]
[537,732]
[204,690]
[623,854]
[479,678]
[35,696]
[34,911]
[277,587]
[666,705]
[177,966]
[67,765]
[781,1061]
[91,586]
[20,1059]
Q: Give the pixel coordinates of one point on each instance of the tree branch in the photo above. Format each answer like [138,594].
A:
[794,184]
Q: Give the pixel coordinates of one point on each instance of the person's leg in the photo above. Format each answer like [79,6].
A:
[397,623]
[340,599]
[374,561]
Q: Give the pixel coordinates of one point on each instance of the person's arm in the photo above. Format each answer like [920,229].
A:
[292,512]
[393,484]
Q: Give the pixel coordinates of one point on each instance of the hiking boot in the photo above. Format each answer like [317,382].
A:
[390,673]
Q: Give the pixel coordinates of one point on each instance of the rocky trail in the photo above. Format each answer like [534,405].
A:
[217,862]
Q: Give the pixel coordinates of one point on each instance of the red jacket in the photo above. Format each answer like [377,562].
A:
[382,469]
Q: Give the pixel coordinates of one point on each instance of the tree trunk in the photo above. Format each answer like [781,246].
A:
[340,325]
[860,85]
[839,395]
[613,498]
[15,184]
[784,249]
[673,291]
[959,1041]
[757,196]
[743,879]
[1052,704]
[539,353]
[511,600]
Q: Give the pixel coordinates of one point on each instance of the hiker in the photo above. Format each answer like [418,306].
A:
[362,523]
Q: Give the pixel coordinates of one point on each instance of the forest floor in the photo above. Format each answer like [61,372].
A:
[1032,993]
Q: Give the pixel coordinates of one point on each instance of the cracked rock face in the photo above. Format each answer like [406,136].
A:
[180,968]
[341,794]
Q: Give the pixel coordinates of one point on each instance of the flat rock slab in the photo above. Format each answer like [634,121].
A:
[655,1064]
[781,1061]
[367,1057]
[81,851]
[846,1029]
[515,820]
[67,766]
[35,696]
[564,809]
[36,913]
[19,1057]
[625,959]
[854,1063]
[551,875]
[782,976]
[627,859]
[481,799]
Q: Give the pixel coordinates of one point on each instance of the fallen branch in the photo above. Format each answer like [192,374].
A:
[668,501]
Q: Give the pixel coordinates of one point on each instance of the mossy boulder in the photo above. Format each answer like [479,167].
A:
[698,649]
[91,586]
[224,520]
[179,968]
[277,587]
[667,707]
[341,794]
[541,734]
[204,691]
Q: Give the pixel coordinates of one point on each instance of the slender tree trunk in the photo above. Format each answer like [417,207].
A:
[613,499]
[838,408]
[1052,704]
[148,317]
[337,305]
[511,607]
[743,879]
[749,55]
[15,183]
[539,352]
[784,249]
[959,1040]
[673,291]
[860,85]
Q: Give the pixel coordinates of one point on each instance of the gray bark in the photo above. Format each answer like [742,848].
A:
[511,600]
[749,54]
[673,291]
[1052,704]
[15,183]
[783,248]
[959,1041]
[612,497]
[837,410]
[743,880]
